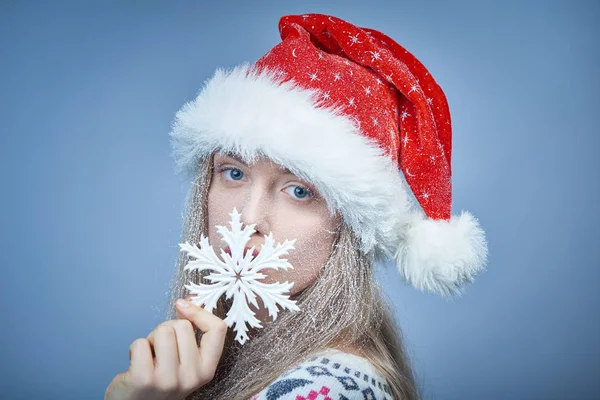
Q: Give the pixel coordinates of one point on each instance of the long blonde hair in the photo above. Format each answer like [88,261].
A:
[343,308]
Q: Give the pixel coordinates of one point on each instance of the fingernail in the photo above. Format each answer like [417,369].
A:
[183,303]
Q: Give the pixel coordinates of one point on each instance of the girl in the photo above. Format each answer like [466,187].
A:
[308,144]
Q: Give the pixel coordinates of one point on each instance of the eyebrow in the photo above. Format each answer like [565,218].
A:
[235,157]
[239,159]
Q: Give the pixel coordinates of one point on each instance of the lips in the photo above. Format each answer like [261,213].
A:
[254,252]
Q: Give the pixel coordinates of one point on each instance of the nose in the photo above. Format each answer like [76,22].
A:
[256,209]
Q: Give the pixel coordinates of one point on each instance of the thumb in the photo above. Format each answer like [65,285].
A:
[189,297]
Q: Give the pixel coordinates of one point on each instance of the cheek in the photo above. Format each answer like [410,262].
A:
[219,206]
[315,236]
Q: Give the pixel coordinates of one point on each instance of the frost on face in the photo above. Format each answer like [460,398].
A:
[239,275]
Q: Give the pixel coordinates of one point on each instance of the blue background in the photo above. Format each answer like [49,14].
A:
[91,207]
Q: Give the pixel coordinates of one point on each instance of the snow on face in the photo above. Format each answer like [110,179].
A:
[268,195]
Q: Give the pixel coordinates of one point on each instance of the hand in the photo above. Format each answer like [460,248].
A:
[168,364]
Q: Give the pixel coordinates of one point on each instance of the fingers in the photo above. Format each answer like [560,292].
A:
[164,342]
[169,361]
[187,347]
[141,367]
[213,339]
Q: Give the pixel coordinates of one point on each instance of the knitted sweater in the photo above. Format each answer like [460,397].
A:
[330,375]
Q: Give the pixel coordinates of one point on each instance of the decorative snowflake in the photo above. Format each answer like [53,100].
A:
[238,275]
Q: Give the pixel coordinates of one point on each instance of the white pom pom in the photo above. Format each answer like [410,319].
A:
[440,256]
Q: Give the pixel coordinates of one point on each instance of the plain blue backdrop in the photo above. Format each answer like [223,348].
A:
[92,209]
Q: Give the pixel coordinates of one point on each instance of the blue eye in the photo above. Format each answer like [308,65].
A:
[234,174]
[299,192]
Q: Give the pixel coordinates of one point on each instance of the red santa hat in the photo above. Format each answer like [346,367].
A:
[348,109]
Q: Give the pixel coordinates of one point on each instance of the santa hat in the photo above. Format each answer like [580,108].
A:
[347,108]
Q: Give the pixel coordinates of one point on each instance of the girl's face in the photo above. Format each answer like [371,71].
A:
[268,195]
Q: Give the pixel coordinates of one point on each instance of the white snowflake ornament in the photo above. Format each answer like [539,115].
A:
[239,275]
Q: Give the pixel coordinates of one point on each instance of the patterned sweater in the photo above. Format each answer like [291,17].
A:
[330,375]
